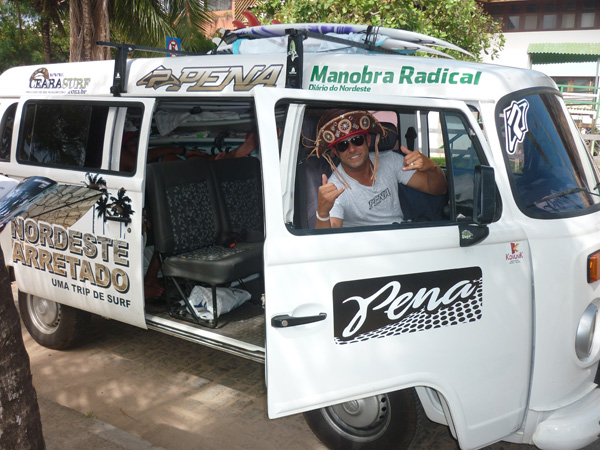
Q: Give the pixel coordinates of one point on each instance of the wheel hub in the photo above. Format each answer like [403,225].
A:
[44,313]
[361,420]
[359,413]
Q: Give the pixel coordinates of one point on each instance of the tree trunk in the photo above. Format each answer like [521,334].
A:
[76,38]
[45,23]
[87,25]
[20,20]
[20,423]
[102,30]
[89,21]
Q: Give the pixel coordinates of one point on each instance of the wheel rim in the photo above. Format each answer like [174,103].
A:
[361,420]
[45,314]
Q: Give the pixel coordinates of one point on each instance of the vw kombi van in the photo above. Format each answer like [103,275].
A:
[480,307]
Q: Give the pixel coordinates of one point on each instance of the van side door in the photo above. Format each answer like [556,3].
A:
[81,243]
[357,312]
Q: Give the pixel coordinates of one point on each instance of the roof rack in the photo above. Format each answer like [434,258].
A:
[399,42]
[119,85]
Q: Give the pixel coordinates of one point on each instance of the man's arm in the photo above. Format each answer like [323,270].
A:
[428,177]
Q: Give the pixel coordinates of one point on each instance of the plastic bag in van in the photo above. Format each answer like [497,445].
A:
[227,300]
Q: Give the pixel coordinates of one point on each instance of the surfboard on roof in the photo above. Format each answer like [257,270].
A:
[266,31]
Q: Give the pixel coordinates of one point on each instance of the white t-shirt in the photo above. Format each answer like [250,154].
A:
[372,205]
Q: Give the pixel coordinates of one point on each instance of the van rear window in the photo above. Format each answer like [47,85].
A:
[62,134]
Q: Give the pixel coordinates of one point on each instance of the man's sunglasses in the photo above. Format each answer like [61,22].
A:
[357,141]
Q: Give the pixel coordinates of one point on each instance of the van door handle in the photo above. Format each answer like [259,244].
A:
[285,320]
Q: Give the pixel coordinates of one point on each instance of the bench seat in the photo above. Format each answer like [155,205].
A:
[207,221]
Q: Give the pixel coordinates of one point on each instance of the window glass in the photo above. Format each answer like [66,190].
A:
[587,20]
[62,134]
[219,5]
[513,22]
[464,159]
[186,130]
[549,21]
[568,21]
[130,139]
[531,22]
[445,137]
[551,172]
[6,131]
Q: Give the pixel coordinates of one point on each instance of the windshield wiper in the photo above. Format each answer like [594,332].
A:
[561,194]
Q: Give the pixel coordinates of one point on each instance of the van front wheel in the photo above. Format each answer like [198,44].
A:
[52,324]
[383,421]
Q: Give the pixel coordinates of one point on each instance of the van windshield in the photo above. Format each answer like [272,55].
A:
[551,172]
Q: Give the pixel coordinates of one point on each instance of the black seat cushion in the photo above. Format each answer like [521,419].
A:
[239,186]
[184,206]
[216,264]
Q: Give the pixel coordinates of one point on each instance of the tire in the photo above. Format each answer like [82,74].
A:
[52,324]
[388,421]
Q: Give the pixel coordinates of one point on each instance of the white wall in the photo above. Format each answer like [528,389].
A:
[515,51]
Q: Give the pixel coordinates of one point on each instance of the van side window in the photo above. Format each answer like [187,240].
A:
[445,137]
[6,131]
[463,159]
[129,142]
[62,134]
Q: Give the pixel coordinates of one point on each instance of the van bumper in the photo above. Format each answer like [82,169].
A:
[571,427]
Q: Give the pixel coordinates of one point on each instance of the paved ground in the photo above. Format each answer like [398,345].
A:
[174,394]
[127,388]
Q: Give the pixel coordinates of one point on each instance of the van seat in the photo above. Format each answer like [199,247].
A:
[199,231]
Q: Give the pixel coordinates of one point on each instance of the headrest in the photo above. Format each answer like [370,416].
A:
[389,140]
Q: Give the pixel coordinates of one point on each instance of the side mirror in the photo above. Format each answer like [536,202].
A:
[484,195]
[484,207]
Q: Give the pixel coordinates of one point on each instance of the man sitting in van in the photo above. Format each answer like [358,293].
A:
[363,189]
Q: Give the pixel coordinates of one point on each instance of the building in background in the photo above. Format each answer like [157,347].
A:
[560,38]
[226,11]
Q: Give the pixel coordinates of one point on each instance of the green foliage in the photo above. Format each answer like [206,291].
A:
[461,22]
[440,161]
[13,50]
[156,19]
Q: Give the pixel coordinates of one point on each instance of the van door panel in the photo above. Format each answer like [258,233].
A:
[87,254]
[403,307]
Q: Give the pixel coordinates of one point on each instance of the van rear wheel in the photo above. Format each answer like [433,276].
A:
[52,324]
[387,421]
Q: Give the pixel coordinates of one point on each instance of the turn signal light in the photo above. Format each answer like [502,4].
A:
[593,263]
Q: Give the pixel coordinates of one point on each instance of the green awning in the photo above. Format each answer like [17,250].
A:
[555,53]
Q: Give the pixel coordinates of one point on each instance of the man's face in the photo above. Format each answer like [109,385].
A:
[356,155]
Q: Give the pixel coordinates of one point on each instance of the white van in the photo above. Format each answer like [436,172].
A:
[483,301]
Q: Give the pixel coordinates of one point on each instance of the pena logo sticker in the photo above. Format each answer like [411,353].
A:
[390,306]
[515,124]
